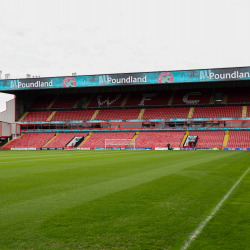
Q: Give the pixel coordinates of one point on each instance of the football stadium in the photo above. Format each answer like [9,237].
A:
[151,160]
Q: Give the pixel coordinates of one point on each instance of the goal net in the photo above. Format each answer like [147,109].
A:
[119,143]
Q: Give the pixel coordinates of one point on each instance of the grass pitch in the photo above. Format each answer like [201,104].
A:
[123,199]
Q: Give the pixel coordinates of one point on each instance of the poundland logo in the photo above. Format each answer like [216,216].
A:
[127,80]
[234,75]
[37,84]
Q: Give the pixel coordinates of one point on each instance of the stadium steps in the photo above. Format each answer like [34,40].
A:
[53,102]
[191,112]
[85,139]
[211,101]
[224,98]
[51,116]
[225,140]
[12,140]
[171,98]
[141,114]
[244,111]
[134,137]
[94,115]
[78,143]
[23,116]
[125,100]
[50,140]
[75,105]
[88,102]
[184,138]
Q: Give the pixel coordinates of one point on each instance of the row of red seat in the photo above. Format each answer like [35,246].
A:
[36,140]
[126,114]
[213,139]
[239,139]
[209,139]
[61,140]
[116,139]
[145,98]
[159,139]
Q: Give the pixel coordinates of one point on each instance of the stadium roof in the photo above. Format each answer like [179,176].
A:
[124,79]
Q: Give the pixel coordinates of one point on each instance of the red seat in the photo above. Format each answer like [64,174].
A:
[73,115]
[37,116]
[118,114]
[165,113]
[210,139]
[34,140]
[214,112]
[239,139]
[61,140]
[98,139]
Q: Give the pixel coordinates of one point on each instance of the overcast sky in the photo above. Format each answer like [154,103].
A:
[59,37]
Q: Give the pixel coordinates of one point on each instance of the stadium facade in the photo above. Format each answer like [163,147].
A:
[207,108]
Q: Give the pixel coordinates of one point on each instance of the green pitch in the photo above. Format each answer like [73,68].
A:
[124,200]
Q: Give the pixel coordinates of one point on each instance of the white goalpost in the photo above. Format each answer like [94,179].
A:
[120,143]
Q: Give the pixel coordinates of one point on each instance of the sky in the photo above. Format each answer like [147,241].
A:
[60,37]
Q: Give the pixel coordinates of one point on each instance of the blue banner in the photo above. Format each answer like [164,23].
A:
[238,149]
[168,77]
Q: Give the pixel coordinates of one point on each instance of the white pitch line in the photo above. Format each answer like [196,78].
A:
[240,203]
[204,223]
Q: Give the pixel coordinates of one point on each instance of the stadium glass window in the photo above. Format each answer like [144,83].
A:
[245,124]
[197,124]
[234,123]
[137,125]
[129,125]
[179,124]
[215,124]
[31,126]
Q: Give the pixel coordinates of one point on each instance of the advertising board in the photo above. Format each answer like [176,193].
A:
[238,149]
[23,148]
[161,148]
[137,148]
[162,77]
[52,148]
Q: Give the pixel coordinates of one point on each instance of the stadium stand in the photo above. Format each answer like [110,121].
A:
[239,139]
[192,97]
[158,139]
[118,114]
[213,139]
[215,112]
[37,116]
[165,113]
[36,140]
[63,139]
[248,111]
[73,115]
[107,100]
[68,100]
[148,105]
[148,98]
[98,139]
[237,95]
[43,101]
